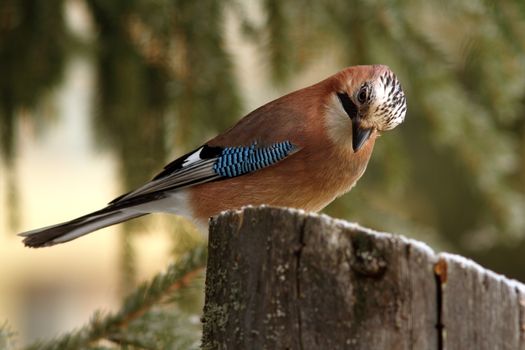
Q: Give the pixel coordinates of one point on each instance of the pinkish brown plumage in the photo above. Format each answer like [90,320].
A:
[302,150]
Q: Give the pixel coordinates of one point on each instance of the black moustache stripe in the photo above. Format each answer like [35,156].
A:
[349,107]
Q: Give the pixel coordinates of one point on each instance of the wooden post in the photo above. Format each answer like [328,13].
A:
[283,279]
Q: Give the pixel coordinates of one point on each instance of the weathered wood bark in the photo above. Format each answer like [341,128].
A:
[282,279]
[479,309]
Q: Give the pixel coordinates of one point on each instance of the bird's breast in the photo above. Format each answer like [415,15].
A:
[309,179]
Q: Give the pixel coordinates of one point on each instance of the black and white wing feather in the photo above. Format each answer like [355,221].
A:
[212,163]
[203,165]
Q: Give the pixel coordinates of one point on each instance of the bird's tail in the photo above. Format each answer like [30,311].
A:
[70,230]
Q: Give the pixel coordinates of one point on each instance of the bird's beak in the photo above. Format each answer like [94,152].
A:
[359,134]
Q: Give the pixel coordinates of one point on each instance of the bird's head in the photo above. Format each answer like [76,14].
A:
[365,99]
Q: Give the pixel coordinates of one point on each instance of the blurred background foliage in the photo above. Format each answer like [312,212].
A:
[452,175]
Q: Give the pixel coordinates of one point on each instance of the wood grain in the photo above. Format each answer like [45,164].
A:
[283,279]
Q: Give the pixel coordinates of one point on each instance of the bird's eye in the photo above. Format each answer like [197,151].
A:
[362,96]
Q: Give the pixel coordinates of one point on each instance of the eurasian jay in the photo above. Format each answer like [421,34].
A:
[301,150]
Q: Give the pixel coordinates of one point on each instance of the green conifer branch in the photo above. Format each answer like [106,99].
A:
[110,326]
[6,337]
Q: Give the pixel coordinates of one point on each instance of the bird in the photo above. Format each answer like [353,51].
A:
[302,150]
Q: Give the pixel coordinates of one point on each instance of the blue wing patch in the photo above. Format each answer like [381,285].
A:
[210,164]
[235,161]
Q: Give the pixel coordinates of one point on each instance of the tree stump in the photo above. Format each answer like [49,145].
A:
[284,279]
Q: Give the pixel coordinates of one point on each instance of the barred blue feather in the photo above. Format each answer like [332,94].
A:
[210,164]
[235,161]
